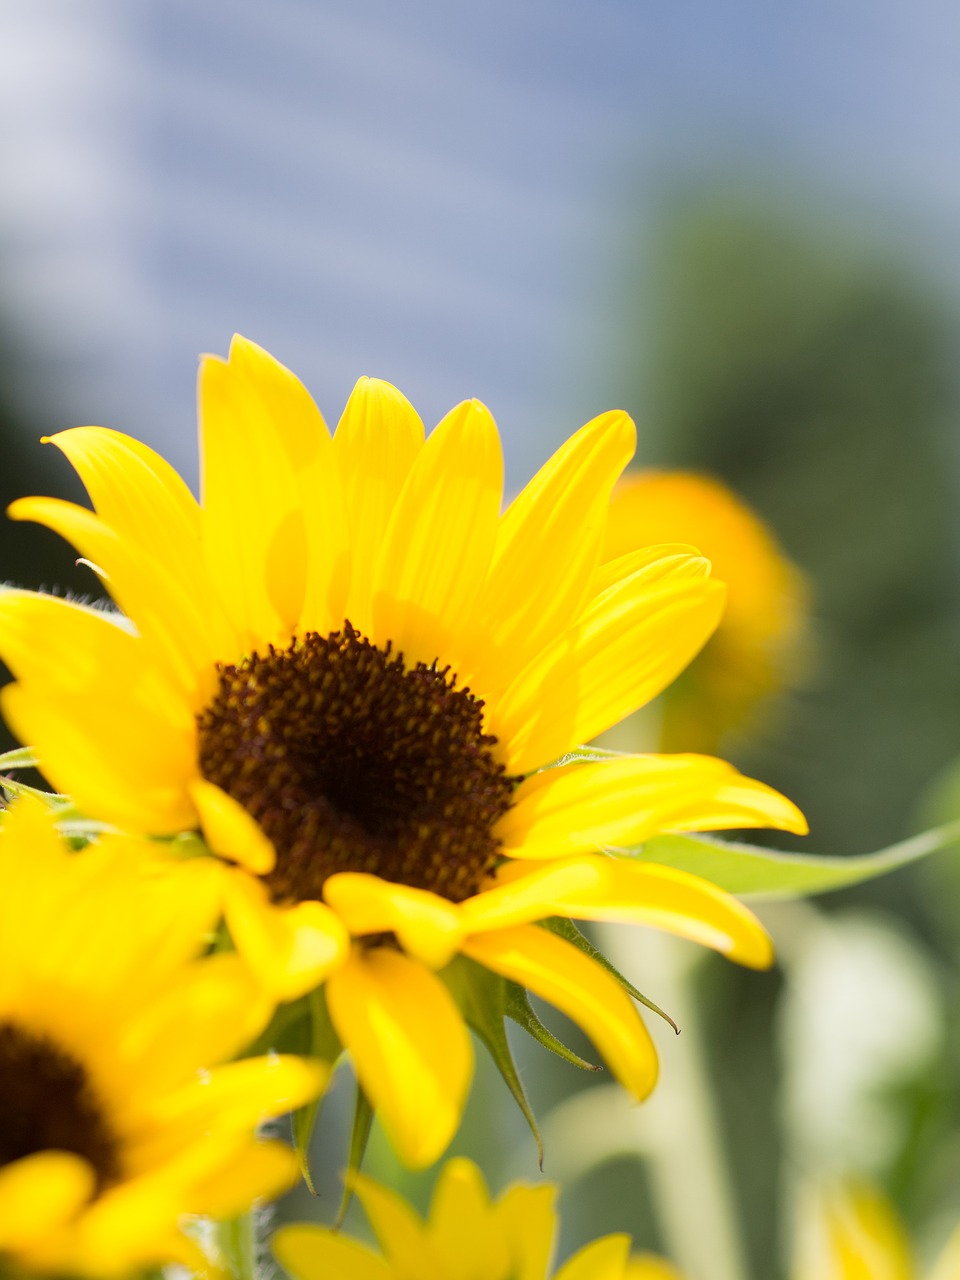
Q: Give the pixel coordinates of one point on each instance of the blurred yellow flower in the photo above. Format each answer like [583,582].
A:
[758,648]
[113,1126]
[346,668]
[850,1232]
[466,1237]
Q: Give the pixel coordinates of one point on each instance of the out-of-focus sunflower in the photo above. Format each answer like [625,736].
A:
[466,1237]
[849,1231]
[116,1121]
[348,669]
[760,647]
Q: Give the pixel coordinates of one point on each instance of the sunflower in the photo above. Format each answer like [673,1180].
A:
[759,648]
[348,670]
[465,1237]
[113,1126]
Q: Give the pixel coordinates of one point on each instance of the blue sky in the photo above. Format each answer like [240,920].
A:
[431,191]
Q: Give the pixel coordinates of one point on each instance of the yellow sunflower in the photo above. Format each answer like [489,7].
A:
[465,1237]
[113,1126]
[758,650]
[849,1231]
[348,669]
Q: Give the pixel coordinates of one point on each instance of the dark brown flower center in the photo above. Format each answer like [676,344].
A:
[47,1104]
[350,761]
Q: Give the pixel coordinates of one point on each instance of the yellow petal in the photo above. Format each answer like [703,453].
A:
[402,1236]
[310,1252]
[229,830]
[527,1218]
[547,547]
[262,1171]
[631,892]
[40,1193]
[556,970]
[241,1095]
[625,649]
[143,499]
[129,775]
[257,424]
[645,1266]
[462,1226]
[411,1050]
[376,442]
[290,949]
[438,544]
[173,624]
[622,802]
[664,554]
[603,1259]
[426,925]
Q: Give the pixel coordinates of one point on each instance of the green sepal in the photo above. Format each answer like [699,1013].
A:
[522,1012]
[359,1137]
[18,758]
[483,998]
[324,1043]
[565,928]
[751,871]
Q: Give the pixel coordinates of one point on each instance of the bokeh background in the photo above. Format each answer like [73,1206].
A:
[739,221]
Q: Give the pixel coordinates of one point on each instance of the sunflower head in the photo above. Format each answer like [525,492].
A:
[116,1119]
[466,1236]
[759,648]
[352,671]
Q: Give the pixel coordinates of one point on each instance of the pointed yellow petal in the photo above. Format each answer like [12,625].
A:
[546,551]
[40,1193]
[622,802]
[438,544]
[52,642]
[411,1050]
[527,1218]
[119,768]
[208,1013]
[178,628]
[625,649]
[631,892]
[257,425]
[665,554]
[229,830]
[262,1171]
[556,970]
[290,949]
[376,442]
[310,1252]
[603,1259]
[426,925]
[402,1236]
[146,503]
[237,1097]
[462,1225]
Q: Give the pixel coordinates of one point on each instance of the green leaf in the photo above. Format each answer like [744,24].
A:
[321,1041]
[524,1015]
[750,871]
[18,758]
[482,998]
[359,1137]
[568,930]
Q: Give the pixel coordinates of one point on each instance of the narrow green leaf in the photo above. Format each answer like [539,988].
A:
[359,1137]
[18,758]
[567,929]
[586,755]
[52,799]
[237,1244]
[751,871]
[324,1043]
[523,1014]
[482,999]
